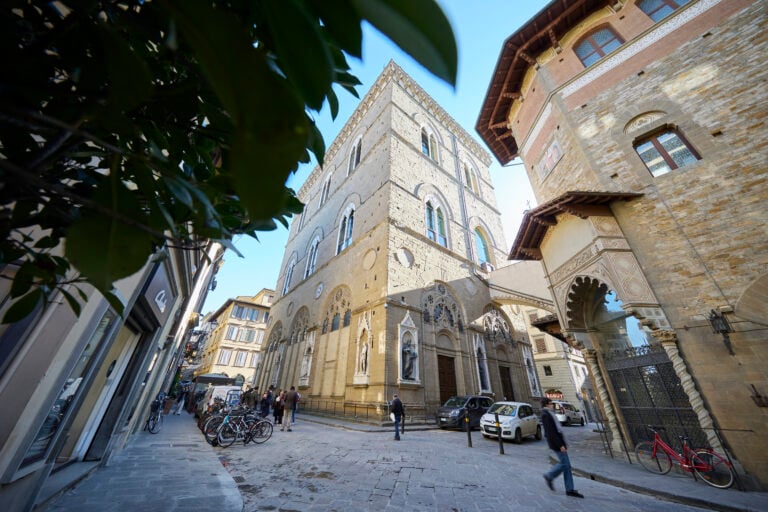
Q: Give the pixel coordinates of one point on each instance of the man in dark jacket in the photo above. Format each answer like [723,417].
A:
[397,408]
[556,442]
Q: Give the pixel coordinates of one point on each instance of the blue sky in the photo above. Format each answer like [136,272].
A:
[480,27]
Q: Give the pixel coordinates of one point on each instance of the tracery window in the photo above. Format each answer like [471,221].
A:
[481,243]
[326,190]
[288,275]
[428,144]
[436,224]
[470,178]
[440,308]
[496,327]
[354,156]
[340,305]
[312,258]
[345,230]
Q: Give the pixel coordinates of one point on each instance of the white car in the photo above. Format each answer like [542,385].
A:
[567,414]
[516,420]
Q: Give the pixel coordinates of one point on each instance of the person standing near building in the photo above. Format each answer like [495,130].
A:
[279,407]
[398,409]
[556,441]
[288,404]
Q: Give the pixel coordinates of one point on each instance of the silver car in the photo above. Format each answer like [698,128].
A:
[516,421]
[567,414]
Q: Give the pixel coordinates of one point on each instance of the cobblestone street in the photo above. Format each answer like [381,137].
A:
[319,467]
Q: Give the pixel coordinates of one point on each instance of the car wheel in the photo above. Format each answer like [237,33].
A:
[538,432]
[518,436]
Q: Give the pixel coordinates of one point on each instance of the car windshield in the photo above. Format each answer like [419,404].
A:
[456,401]
[503,409]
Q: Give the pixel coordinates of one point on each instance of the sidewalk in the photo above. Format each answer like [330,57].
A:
[173,470]
[183,472]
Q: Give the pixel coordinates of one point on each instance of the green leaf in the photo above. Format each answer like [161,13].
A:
[302,52]
[47,242]
[103,247]
[333,102]
[316,143]
[24,306]
[23,280]
[72,301]
[342,23]
[115,302]
[420,28]
[130,81]
[228,244]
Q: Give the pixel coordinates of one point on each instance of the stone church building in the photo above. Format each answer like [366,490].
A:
[641,124]
[384,283]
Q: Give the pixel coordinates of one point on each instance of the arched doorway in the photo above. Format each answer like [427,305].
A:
[644,388]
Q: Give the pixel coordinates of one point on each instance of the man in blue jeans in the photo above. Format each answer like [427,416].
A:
[556,442]
[396,408]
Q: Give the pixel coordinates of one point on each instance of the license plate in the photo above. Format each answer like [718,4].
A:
[443,420]
[491,430]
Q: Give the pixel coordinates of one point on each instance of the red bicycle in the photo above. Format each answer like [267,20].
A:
[706,464]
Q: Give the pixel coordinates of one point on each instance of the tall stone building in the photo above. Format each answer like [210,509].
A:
[384,281]
[642,128]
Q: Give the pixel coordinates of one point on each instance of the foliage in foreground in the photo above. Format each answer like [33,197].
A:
[126,126]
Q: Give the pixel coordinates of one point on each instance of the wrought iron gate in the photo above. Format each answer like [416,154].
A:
[649,392]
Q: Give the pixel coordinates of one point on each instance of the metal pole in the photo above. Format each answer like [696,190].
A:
[498,429]
[469,430]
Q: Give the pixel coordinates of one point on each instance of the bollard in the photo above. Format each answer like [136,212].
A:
[469,430]
[498,430]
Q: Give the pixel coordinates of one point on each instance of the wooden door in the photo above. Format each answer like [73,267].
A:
[508,393]
[446,376]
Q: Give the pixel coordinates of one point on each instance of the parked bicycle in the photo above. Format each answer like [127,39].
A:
[155,420]
[706,464]
[242,426]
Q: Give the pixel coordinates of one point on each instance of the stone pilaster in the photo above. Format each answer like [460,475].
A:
[590,357]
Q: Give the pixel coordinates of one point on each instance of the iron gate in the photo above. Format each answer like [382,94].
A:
[649,392]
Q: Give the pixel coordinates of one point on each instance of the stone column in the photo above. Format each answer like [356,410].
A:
[590,357]
[668,340]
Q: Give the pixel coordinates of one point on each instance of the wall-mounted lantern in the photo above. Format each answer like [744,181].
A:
[720,325]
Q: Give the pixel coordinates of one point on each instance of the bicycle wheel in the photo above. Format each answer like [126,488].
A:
[226,436]
[211,430]
[261,431]
[713,468]
[153,424]
[658,463]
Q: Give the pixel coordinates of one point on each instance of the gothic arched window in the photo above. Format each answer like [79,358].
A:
[345,230]
[436,224]
[481,242]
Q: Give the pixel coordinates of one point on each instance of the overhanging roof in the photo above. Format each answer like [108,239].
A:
[537,221]
[519,52]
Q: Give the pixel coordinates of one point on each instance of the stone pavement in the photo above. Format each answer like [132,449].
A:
[177,470]
[173,470]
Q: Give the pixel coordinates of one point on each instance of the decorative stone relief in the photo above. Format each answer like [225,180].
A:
[369,259]
[638,123]
[404,257]
[408,350]
[440,308]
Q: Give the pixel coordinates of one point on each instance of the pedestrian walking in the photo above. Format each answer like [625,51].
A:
[398,409]
[289,403]
[556,441]
[279,407]
[295,407]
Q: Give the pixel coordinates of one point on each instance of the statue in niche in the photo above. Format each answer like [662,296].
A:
[304,373]
[364,358]
[408,358]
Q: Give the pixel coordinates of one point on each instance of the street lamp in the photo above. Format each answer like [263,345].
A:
[720,325]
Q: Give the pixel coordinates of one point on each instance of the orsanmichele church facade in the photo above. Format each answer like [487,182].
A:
[384,281]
